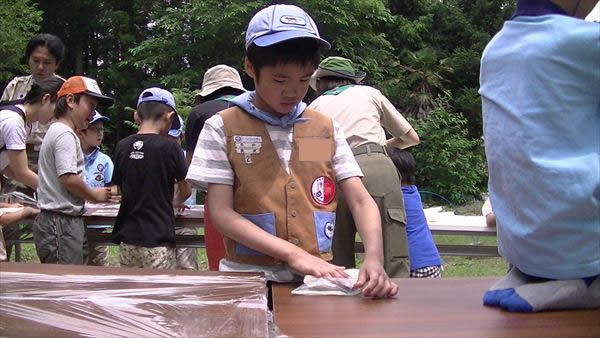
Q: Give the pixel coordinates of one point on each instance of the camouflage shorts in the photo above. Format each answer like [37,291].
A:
[134,256]
[187,258]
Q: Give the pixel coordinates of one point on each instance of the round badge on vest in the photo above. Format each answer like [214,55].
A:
[323,190]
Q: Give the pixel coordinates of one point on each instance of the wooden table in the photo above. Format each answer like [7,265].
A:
[47,300]
[447,307]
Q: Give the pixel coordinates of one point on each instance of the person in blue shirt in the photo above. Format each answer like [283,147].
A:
[541,118]
[97,173]
[425,261]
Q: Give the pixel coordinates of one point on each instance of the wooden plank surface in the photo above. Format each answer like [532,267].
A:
[447,307]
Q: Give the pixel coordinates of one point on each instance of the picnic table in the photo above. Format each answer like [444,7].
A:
[447,223]
[447,307]
[104,215]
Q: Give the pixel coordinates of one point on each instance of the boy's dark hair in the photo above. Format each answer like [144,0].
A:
[38,89]
[61,105]
[301,51]
[52,42]
[152,111]
[405,162]
[220,92]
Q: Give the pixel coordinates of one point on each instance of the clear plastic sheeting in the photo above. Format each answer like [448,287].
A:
[35,304]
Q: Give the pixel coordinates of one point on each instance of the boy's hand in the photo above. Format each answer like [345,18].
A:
[375,281]
[180,208]
[101,194]
[308,264]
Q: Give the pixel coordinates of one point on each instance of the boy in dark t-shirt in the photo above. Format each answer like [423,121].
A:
[147,164]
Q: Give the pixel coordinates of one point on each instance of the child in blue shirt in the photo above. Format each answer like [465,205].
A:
[424,258]
[97,173]
[541,116]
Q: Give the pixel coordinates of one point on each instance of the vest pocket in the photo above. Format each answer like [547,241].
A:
[324,227]
[264,221]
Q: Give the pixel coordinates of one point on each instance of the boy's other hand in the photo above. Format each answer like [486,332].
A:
[375,281]
[308,264]
[101,194]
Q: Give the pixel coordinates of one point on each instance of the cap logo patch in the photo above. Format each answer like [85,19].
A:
[293,20]
[323,190]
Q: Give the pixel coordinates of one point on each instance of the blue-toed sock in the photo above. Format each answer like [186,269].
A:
[554,295]
[514,278]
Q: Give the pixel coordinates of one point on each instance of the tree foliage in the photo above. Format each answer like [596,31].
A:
[449,162]
[413,51]
[19,21]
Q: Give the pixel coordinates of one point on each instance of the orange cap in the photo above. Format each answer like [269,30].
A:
[84,85]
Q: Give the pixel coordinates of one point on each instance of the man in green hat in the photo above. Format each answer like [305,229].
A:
[365,114]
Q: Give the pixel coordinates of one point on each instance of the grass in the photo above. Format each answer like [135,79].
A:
[454,266]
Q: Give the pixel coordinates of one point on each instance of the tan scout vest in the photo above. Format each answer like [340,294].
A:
[263,185]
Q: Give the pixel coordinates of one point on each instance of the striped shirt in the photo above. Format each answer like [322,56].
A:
[210,163]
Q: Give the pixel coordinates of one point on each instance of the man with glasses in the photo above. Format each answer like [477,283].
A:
[98,173]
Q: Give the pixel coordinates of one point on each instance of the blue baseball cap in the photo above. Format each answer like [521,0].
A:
[278,23]
[97,117]
[163,96]
[176,133]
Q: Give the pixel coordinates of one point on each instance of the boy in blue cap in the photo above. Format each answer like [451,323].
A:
[271,165]
[98,169]
[146,166]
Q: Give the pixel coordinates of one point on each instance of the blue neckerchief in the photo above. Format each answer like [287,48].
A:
[244,101]
[537,8]
[91,157]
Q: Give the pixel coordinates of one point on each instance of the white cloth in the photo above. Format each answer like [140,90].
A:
[314,286]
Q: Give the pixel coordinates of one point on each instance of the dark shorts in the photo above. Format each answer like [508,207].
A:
[59,238]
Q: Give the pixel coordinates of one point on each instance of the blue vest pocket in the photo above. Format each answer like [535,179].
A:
[324,227]
[264,221]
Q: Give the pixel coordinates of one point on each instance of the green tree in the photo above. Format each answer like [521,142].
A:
[19,21]
[450,163]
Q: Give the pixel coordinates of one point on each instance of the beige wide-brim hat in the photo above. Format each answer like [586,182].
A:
[220,76]
[338,67]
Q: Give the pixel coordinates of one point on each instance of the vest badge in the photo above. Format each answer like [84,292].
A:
[247,146]
[323,190]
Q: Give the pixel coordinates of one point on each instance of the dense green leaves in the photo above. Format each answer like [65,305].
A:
[19,21]
[449,162]
[414,51]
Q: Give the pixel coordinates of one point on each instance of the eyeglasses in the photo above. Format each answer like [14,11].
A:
[96,130]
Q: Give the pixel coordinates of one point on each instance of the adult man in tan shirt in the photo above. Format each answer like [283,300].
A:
[363,112]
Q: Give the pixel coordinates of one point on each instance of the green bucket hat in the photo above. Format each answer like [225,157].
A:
[339,67]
